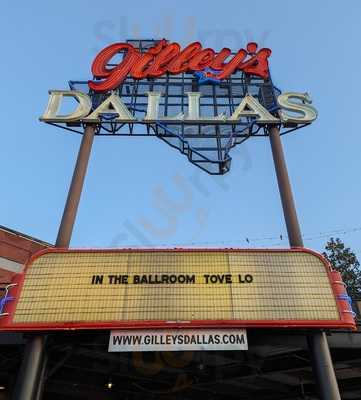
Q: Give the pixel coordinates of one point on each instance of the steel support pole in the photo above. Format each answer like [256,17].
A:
[76,187]
[42,377]
[318,345]
[30,372]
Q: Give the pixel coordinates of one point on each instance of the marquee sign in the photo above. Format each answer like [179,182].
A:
[126,289]
[197,100]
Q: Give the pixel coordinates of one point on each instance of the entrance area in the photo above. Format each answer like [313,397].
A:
[276,366]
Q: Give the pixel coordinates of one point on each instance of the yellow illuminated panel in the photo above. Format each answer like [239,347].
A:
[175,286]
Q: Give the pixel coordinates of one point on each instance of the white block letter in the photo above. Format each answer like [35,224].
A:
[55,99]
[308,113]
[112,105]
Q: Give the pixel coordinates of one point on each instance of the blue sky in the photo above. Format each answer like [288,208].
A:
[142,192]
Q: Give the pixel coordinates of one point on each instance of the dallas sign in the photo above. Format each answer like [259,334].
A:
[207,66]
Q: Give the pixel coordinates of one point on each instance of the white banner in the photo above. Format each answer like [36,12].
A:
[178,340]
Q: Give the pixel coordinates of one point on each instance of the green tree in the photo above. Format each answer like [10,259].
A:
[344,261]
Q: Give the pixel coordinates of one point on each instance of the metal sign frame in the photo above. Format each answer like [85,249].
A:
[206,144]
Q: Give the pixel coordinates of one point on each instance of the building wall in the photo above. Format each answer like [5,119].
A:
[15,250]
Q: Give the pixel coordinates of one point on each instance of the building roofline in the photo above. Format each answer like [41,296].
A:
[24,236]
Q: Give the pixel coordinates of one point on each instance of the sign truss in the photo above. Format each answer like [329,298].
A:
[206,143]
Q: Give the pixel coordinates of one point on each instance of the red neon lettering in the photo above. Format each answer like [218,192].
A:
[201,60]
[231,67]
[180,64]
[218,62]
[159,66]
[258,63]
[168,58]
[138,70]
[114,76]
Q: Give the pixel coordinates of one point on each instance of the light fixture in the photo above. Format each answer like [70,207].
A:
[2,387]
[109,384]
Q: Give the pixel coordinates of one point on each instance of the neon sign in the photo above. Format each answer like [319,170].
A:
[6,298]
[169,58]
[182,96]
